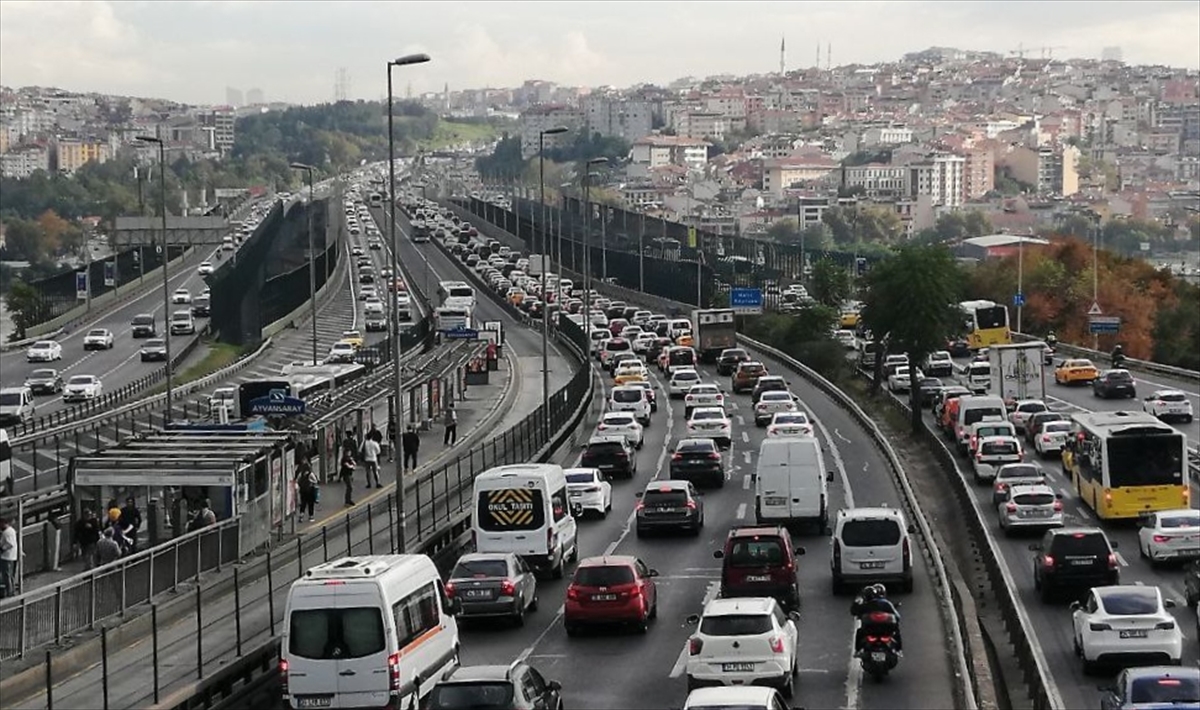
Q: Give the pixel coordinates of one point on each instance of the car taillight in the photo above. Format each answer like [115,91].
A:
[283,676]
[776,644]
[677,457]
[450,589]
[1112,560]
[1098,626]
[691,505]
[1160,538]
[1047,561]
[602,427]
[1164,626]
[639,506]
[573,594]
[715,456]
[872,639]
[394,672]
[1058,506]
[507,588]
[1001,487]
[1045,438]
[974,440]
[885,639]
[1020,455]
[695,646]
[1011,507]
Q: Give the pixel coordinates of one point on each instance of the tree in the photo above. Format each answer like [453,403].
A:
[27,308]
[838,221]
[783,230]
[911,305]
[830,284]
[25,241]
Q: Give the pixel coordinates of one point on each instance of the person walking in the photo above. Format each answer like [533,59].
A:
[306,479]
[391,437]
[87,534]
[450,419]
[411,443]
[131,522]
[108,549]
[9,553]
[346,473]
[371,450]
[203,517]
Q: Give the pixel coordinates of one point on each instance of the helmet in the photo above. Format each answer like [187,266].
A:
[869,594]
[880,591]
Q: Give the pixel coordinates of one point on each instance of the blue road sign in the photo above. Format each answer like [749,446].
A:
[277,402]
[746,300]
[461,333]
[1102,325]
[1018,299]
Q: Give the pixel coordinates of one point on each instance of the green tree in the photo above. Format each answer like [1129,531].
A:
[784,230]
[505,162]
[27,308]
[910,306]
[830,284]
[837,219]
[25,241]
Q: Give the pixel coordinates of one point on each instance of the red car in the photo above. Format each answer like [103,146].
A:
[619,589]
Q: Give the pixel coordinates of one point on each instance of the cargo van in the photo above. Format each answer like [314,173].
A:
[370,631]
[523,509]
[792,484]
[972,410]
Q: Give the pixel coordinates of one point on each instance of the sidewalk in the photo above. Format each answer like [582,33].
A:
[486,410]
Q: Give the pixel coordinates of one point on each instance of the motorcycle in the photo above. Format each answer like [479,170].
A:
[1048,355]
[879,655]
[1118,361]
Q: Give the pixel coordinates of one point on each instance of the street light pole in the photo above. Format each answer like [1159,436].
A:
[312,255]
[397,386]
[544,241]
[162,189]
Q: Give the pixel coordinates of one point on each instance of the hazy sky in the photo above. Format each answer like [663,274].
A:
[191,51]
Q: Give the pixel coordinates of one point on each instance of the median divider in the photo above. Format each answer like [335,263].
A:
[1129,364]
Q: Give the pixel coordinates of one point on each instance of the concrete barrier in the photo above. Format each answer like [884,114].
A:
[1096,356]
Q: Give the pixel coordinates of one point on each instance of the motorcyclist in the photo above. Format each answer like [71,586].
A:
[874,599]
[1051,339]
[1118,355]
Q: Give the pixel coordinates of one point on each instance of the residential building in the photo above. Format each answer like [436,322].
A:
[1052,170]
[659,151]
[938,176]
[798,170]
[24,161]
[219,122]
[616,117]
[700,124]
[881,136]
[536,119]
[877,180]
[70,154]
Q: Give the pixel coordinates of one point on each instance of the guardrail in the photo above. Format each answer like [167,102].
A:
[1130,363]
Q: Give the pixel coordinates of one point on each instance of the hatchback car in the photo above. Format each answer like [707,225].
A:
[744,641]
[771,403]
[517,686]
[493,584]
[871,545]
[698,461]
[631,399]
[1073,559]
[587,488]
[711,422]
[98,339]
[767,383]
[760,561]
[673,505]
[1168,405]
[745,377]
[1153,687]
[682,381]
[611,454]
[1126,624]
[1114,383]
[622,424]
[610,590]
[1169,535]
[1015,474]
[1023,410]
[1029,505]
[742,697]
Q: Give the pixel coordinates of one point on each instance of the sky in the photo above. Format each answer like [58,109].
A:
[192,51]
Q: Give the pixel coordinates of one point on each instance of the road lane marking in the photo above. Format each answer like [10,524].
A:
[746,455]
[854,678]
[847,491]
[746,482]
[1120,559]
[681,662]
[741,420]
[741,511]
[745,438]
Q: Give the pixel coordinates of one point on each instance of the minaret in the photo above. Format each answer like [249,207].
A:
[829,56]
[818,63]
[782,54]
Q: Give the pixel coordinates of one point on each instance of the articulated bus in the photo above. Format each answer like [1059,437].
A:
[1125,464]
[986,324]
[455,289]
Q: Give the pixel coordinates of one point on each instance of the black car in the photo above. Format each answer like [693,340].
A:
[656,348]
[611,454]
[729,359]
[927,388]
[1074,559]
[1114,383]
[768,383]
[143,326]
[1033,425]
[698,461]
[669,505]
[517,685]
[44,381]
[958,347]
[155,349]
[1191,583]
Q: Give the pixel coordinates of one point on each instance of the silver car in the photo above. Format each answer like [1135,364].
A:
[1015,474]
[1030,506]
[493,584]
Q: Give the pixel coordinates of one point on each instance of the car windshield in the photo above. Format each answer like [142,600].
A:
[81,380]
[700,415]
[686,376]
[1053,427]
[480,568]
[8,399]
[604,448]
[1020,471]
[1171,397]
[733,354]
[336,634]
[1172,691]
[869,533]
[598,576]
[40,374]
[756,552]
[751,370]
[484,695]
[791,418]
[43,346]
[999,448]
[669,498]
[696,446]
[1181,520]
[736,625]
[98,332]
[1131,602]
[618,420]
[581,477]
[704,390]
[776,397]
[155,343]
[626,396]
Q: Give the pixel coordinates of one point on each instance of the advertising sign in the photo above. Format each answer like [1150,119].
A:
[277,489]
[81,285]
[110,273]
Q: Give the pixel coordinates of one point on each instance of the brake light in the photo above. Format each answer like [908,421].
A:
[695,646]
[283,676]
[1011,507]
[508,589]
[573,593]
[394,672]
[885,639]
[714,456]
[1048,561]
[1112,560]
[1058,506]
[1099,626]
[602,427]
[974,440]
[1164,626]
[1108,498]
[776,644]
[677,457]
[872,639]
[979,456]
[1161,538]
[450,589]
[1001,487]
[691,505]
[1045,438]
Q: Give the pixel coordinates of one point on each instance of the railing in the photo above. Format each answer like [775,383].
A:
[1130,363]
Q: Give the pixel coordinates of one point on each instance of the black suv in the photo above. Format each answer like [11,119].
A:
[697,460]
[1114,383]
[611,454]
[669,505]
[1074,560]
[729,359]
[768,383]
[517,685]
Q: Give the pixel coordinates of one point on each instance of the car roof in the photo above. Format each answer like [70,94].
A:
[607,561]
[580,469]
[471,556]
[757,530]
[1161,671]
[469,674]
[729,695]
[667,484]
[605,439]
[739,606]
[868,513]
[1030,488]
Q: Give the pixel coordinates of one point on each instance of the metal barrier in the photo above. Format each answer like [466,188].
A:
[1130,363]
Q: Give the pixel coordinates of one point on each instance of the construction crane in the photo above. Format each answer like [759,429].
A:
[1048,52]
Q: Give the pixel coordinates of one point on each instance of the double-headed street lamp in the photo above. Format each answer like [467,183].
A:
[587,248]
[544,242]
[162,189]
[312,255]
[397,391]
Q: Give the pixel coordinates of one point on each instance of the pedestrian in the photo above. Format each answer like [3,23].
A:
[203,517]
[377,436]
[307,481]
[347,475]
[450,419]
[411,443]
[391,437]
[371,451]
[131,522]
[87,534]
[108,549]
[9,553]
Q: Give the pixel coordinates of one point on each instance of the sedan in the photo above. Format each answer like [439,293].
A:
[1015,474]
[493,584]
[899,380]
[1123,622]
[342,351]
[587,488]
[697,461]
[367,292]
[1075,371]
[772,403]
[622,424]
[1052,438]
[44,351]
[44,382]
[1153,687]
[205,268]
[81,388]
[712,423]
[181,296]
[98,339]
[154,349]
[1029,506]
[702,396]
[681,382]
[1169,404]
[1023,410]
[1170,535]
[789,424]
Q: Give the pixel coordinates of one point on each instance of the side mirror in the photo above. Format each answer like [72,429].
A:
[577,510]
[1075,606]
[718,554]
[912,529]
[794,616]
[1169,603]
[801,551]
[1058,496]
[692,619]
[652,573]
[1035,547]
[638,494]
[1114,544]
[829,476]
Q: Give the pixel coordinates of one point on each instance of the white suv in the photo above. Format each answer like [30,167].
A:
[743,641]
[632,399]
[871,545]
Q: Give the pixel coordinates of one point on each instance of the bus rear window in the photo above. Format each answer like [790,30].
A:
[1145,461]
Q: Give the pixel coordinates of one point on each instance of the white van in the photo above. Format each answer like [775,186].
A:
[523,509]
[632,399]
[792,484]
[978,376]
[972,410]
[16,405]
[368,631]
[872,545]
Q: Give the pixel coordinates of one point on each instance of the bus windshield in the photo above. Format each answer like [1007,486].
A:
[993,317]
[1145,460]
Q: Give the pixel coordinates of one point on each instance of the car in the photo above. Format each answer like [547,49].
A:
[1051,438]
[985,428]
[353,337]
[181,296]
[1125,624]
[1015,474]
[611,454]
[846,338]
[1035,423]
[1022,410]
[702,395]
[789,424]
[622,424]
[899,380]
[1153,687]
[44,381]
[493,584]
[630,371]
[609,590]
[366,292]
[183,323]
[698,461]
[927,387]
[1029,505]
[681,381]
[356,251]
[375,322]
[729,359]
[44,351]
[1191,583]
[712,423]
[939,363]
[1114,383]
[342,351]
[98,339]
[1072,559]
[205,268]
[202,305]
[1168,405]
[632,399]
[768,383]
[651,395]
[744,641]
[1075,371]
[742,697]
[991,453]
[81,388]
[1169,535]
[871,545]
[772,403]
[643,342]
[760,561]
[223,398]
[945,394]
[153,349]
[745,377]
[143,325]
[669,505]
[587,488]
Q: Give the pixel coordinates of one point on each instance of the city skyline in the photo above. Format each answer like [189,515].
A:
[192,51]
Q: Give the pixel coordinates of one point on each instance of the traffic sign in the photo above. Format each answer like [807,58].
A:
[1018,299]
[277,402]
[746,301]
[1099,325]
[1095,309]
[461,333]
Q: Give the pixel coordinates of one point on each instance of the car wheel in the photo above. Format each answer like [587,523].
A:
[654,610]
[788,687]
[519,615]
[533,605]
[644,625]
[639,532]
[572,629]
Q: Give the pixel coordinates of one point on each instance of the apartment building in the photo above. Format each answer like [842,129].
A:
[536,119]
[700,124]
[1052,170]
[979,172]
[219,124]
[938,176]
[24,161]
[71,154]
[660,151]
[782,174]
[881,136]
[617,117]
[877,180]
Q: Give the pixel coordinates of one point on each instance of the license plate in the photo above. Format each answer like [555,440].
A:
[878,656]
[772,500]
[575,494]
[1133,634]
[604,597]
[758,578]
[737,667]
[314,701]
[870,565]
[1080,563]
[478,594]
[665,511]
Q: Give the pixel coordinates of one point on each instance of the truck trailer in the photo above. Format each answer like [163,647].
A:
[1017,371]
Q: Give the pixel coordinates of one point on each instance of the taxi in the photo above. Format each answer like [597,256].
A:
[628,374]
[685,340]
[515,296]
[848,319]
[353,337]
[1074,371]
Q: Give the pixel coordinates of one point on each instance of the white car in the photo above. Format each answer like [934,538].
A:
[1023,409]
[789,424]
[1121,622]
[632,399]
[342,351]
[743,697]
[1170,535]
[205,268]
[1033,505]
[939,362]
[772,403]
[44,351]
[846,338]
[587,488]
[899,380]
[181,296]
[682,380]
[367,292]
[710,423]
[81,388]
[993,452]
[1169,404]
[622,424]
[643,342]
[704,395]
[223,398]
[744,641]
[1052,438]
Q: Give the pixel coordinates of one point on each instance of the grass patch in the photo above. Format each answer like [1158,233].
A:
[219,355]
[450,133]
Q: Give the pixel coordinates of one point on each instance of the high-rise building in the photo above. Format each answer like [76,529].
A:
[536,119]
[620,118]
[220,122]
[939,177]
[70,154]
[233,97]
[254,97]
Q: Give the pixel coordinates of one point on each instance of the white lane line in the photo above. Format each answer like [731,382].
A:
[681,662]
[847,491]
[746,455]
[553,622]
[741,420]
[741,511]
[746,482]
[839,435]
[1120,559]
[1140,583]
[854,678]
[734,406]
[745,438]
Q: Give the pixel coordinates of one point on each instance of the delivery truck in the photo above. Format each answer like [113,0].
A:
[713,330]
[1017,372]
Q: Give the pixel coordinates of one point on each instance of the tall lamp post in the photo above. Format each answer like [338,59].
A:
[397,390]
[544,241]
[312,255]
[587,248]
[166,303]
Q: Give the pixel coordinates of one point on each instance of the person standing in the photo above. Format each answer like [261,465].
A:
[450,419]
[391,436]
[346,472]
[87,534]
[9,553]
[371,450]
[108,549]
[203,517]
[131,522]
[306,479]
[411,443]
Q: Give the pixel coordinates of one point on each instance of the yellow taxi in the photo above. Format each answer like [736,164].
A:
[353,337]
[1075,371]
[627,374]
[685,341]
[849,319]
